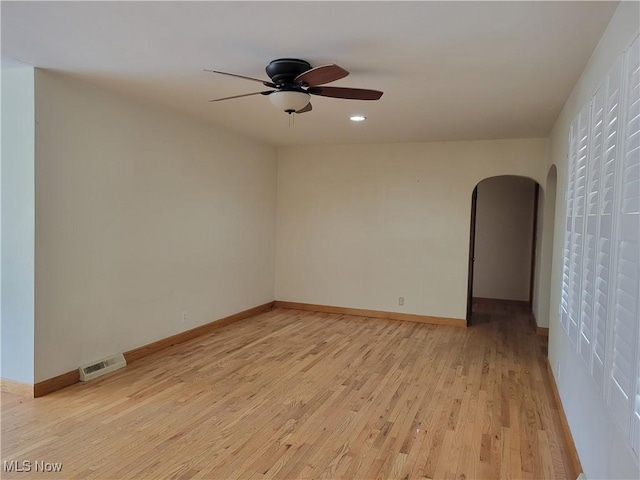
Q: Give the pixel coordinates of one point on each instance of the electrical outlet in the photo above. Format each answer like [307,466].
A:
[400,300]
[184,317]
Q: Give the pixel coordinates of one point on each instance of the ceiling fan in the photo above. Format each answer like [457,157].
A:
[293,81]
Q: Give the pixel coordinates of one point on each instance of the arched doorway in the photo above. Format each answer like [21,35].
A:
[503,243]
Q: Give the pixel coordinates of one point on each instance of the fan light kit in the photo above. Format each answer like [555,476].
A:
[289,100]
[357,118]
[293,81]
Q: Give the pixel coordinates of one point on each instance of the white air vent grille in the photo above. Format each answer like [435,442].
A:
[100,367]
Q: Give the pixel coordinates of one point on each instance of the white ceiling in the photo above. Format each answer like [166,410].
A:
[449,70]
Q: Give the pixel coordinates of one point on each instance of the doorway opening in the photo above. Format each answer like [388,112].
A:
[502,245]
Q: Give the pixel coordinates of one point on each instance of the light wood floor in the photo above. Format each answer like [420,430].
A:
[290,394]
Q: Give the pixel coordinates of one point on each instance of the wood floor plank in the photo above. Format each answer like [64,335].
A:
[291,394]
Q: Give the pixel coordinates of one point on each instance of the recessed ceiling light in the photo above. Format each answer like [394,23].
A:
[357,118]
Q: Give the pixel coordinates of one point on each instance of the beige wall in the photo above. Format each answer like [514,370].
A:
[141,213]
[601,447]
[361,225]
[504,233]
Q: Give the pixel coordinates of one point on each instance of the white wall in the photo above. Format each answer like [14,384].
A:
[141,213]
[361,225]
[601,447]
[504,232]
[544,248]
[18,224]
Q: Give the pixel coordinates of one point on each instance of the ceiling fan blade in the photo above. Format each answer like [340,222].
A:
[266,92]
[321,75]
[308,108]
[264,82]
[343,92]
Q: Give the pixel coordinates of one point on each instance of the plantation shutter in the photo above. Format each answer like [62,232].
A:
[623,379]
[633,162]
[575,271]
[566,251]
[600,297]
[594,165]
[610,147]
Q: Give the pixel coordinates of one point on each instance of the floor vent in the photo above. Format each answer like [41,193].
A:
[106,365]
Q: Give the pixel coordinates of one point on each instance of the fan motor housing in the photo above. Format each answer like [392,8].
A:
[285,70]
